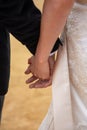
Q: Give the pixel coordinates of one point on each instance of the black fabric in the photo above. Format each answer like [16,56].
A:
[21,18]
[1,105]
[4,60]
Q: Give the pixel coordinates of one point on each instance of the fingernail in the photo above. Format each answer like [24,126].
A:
[31,86]
[26,81]
[36,86]
[25,72]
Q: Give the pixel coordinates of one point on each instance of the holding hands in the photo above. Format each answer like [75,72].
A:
[41,72]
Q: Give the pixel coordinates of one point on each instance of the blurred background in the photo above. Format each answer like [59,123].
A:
[24,108]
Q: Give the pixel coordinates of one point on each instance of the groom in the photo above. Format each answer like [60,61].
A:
[22,20]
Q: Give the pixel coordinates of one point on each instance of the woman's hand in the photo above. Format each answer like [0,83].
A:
[35,82]
[38,69]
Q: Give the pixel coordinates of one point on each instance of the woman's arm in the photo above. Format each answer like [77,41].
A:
[54,16]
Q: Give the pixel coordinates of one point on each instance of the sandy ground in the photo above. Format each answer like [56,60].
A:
[24,108]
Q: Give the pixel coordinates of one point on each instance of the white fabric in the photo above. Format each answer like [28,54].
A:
[68,110]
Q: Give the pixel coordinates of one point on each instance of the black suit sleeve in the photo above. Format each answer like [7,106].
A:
[25,26]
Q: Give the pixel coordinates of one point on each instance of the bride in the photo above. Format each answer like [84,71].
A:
[68,110]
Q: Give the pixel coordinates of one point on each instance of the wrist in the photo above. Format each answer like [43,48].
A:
[41,58]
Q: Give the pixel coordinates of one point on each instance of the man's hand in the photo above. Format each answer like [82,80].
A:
[34,81]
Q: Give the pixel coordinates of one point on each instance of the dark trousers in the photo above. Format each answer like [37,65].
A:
[4,64]
[1,105]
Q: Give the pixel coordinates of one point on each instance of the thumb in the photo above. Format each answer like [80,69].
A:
[28,70]
[30,60]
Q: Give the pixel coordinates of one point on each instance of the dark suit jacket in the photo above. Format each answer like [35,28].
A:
[21,18]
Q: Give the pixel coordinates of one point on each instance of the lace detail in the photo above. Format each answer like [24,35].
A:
[76,20]
[77,52]
[77,44]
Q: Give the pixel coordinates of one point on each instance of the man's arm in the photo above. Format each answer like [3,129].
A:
[25,25]
[51,27]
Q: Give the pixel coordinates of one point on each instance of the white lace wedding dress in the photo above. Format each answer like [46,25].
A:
[68,110]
